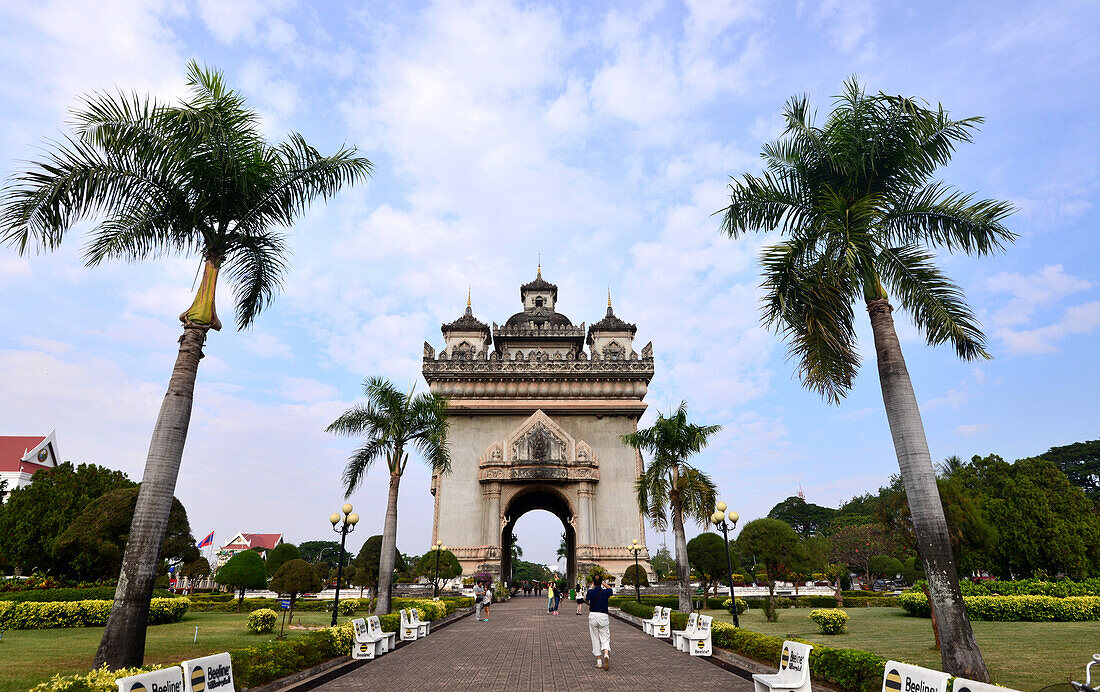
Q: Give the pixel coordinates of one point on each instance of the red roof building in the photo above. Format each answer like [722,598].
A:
[247,541]
[21,457]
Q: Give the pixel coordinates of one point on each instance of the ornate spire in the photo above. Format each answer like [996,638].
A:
[469,291]
[608,297]
[540,266]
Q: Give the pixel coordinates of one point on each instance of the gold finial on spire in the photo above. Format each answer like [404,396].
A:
[540,265]
[469,291]
[608,296]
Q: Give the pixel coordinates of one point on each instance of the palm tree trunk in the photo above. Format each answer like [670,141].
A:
[123,643]
[683,571]
[389,546]
[959,653]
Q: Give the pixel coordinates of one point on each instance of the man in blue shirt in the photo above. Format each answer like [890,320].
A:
[599,627]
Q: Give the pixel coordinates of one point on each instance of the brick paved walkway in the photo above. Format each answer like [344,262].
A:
[524,649]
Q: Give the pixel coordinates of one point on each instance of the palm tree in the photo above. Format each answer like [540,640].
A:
[391,422]
[669,485]
[861,213]
[950,466]
[195,178]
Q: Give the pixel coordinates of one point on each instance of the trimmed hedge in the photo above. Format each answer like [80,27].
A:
[93,593]
[825,602]
[848,669]
[348,606]
[1032,587]
[99,680]
[1014,608]
[670,601]
[42,616]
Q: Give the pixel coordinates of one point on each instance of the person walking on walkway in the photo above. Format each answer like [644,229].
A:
[599,627]
[551,606]
[579,596]
[479,598]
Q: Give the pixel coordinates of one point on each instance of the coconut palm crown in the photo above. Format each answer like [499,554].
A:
[669,487]
[391,422]
[192,178]
[861,217]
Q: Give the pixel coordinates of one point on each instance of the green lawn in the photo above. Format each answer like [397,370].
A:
[1022,655]
[28,657]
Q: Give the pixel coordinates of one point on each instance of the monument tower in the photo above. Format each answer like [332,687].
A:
[535,424]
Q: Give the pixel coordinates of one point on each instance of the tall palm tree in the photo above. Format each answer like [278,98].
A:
[194,178]
[862,215]
[671,486]
[392,421]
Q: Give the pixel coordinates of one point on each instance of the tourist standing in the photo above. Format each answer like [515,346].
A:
[550,608]
[580,597]
[599,627]
[479,597]
[487,600]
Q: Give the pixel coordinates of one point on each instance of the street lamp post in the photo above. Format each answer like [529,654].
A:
[343,527]
[438,548]
[635,548]
[727,521]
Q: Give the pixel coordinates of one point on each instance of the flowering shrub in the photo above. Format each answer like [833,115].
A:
[99,680]
[262,621]
[42,616]
[1027,608]
[830,620]
[742,606]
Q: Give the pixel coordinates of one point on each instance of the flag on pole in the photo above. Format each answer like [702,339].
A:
[209,540]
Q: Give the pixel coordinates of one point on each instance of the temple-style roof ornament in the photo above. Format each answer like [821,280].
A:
[539,284]
[611,323]
[466,323]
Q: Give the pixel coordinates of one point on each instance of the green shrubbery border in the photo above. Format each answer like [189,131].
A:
[33,615]
[849,669]
[92,593]
[347,605]
[1028,608]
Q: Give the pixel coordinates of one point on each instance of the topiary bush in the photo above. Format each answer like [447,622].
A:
[742,606]
[830,620]
[262,621]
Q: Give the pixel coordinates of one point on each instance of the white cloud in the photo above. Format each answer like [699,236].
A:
[973,429]
[1033,296]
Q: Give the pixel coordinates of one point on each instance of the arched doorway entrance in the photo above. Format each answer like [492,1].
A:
[532,498]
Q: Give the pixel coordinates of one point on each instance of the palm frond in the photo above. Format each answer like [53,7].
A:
[940,216]
[936,305]
[256,266]
[360,462]
[698,494]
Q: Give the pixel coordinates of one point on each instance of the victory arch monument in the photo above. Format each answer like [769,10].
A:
[535,424]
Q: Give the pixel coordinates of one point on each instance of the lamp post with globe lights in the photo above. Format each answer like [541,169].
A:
[726,522]
[342,526]
[438,549]
[636,548]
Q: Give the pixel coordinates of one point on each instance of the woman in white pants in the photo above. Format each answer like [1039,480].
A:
[599,627]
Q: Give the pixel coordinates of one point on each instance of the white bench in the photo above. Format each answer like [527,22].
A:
[209,673]
[365,645]
[411,626]
[678,635]
[389,639]
[794,670]
[658,626]
[698,643]
[964,685]
[164,679]
[900,677]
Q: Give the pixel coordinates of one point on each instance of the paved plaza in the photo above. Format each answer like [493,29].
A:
[523,648]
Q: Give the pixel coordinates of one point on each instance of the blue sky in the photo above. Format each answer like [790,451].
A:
[600,136]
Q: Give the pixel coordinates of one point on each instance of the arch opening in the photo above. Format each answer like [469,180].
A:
[533,499]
